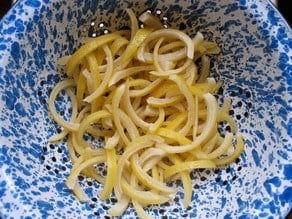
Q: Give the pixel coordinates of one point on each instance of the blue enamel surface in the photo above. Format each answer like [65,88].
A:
[255,65]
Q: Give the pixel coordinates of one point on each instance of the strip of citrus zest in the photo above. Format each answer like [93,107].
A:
[111,160]
[87,48]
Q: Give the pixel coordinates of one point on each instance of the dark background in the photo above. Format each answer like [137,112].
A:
[4,6]
[283,6]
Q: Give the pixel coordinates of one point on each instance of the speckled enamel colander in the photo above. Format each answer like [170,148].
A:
[255,65]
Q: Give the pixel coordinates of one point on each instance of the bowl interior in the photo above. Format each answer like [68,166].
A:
[254,65]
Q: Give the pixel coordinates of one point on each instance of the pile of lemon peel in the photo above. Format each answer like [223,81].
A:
[142,92]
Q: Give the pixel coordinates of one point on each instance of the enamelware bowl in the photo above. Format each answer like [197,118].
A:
[254,63]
